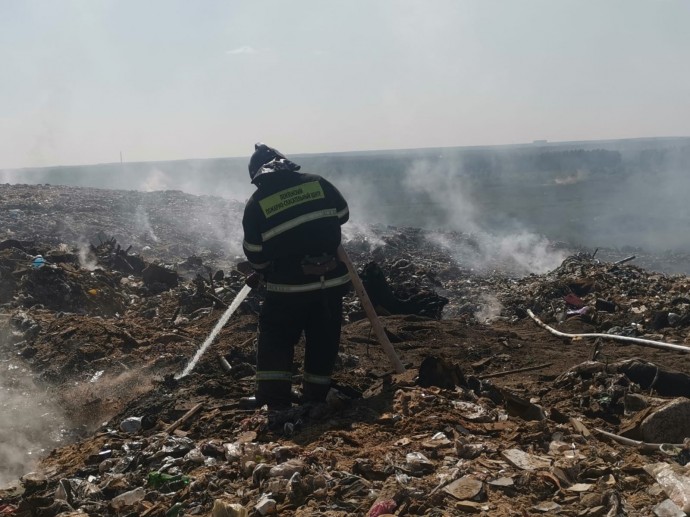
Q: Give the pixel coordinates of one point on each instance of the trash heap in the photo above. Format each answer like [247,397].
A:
[494,415]
[622,299]
[166,225]
[402,449]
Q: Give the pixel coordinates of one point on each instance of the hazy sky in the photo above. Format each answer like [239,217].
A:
[83,80]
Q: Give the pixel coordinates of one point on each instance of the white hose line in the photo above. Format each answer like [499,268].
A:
[636,443]
[613,337]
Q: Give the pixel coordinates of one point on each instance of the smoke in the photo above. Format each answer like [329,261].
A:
[226,177]
[156,179]
[490,308]
[143,225]
[8,176]
[224,228]
[360,234]
[105,394]
[647,206]
[87,260]
[506,202]
[488,240]
[441,185]
[32,423]
[579,176]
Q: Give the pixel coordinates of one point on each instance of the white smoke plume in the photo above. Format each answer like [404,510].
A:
[490,308]
[509,247]
[355,232]
[156,179]
[87,260]
[143,225]
[31,425]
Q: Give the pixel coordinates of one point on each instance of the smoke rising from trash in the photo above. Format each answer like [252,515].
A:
[109,356]
[489,308]
[507,204]
[105,393]
[31,422]
[512,248]
[87,260]
[143,225]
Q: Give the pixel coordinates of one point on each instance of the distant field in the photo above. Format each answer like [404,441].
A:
[613,193]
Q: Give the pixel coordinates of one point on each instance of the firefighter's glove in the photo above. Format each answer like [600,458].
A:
[253,280]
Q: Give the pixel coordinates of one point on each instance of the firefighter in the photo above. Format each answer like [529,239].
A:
[291,235]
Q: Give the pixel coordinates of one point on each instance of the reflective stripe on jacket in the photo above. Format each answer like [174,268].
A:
[290,216]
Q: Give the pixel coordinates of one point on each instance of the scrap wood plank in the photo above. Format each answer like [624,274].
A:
[580,427]
[488,427]
[184,418]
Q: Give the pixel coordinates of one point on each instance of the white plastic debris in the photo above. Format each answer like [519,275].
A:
[417,462]
[472,412]
[131,424]
[195,456]
[233,451]
[526,461]
[128,498]
[668,508]
[675,480]
[287,469]
[96,376]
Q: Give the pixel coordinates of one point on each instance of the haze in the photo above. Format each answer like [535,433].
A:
[84,80]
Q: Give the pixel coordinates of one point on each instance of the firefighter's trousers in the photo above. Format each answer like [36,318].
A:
[283,319]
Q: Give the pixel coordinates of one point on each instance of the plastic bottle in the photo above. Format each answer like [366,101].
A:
[128,498]
[161,479]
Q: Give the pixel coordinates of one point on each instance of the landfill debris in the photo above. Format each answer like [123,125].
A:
[674,480]
[131,424]
[494,417]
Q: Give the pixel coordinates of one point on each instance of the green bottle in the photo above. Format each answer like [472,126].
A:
[172,483]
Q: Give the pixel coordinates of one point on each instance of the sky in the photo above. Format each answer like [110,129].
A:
[84,80]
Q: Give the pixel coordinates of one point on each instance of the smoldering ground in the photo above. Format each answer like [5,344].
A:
[105,394]
[482,244]
[32,421]
[35,420]
[509,203]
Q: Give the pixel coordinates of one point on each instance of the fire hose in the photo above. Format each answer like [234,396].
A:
[613,337]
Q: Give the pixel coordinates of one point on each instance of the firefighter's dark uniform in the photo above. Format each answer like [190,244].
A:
[291,234]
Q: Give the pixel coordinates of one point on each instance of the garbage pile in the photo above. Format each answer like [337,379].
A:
[494,415]
[166,225]
[621,299]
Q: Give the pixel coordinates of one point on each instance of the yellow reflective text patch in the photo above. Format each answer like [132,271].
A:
[276,203]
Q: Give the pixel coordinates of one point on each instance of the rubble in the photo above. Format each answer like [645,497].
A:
[492,417]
